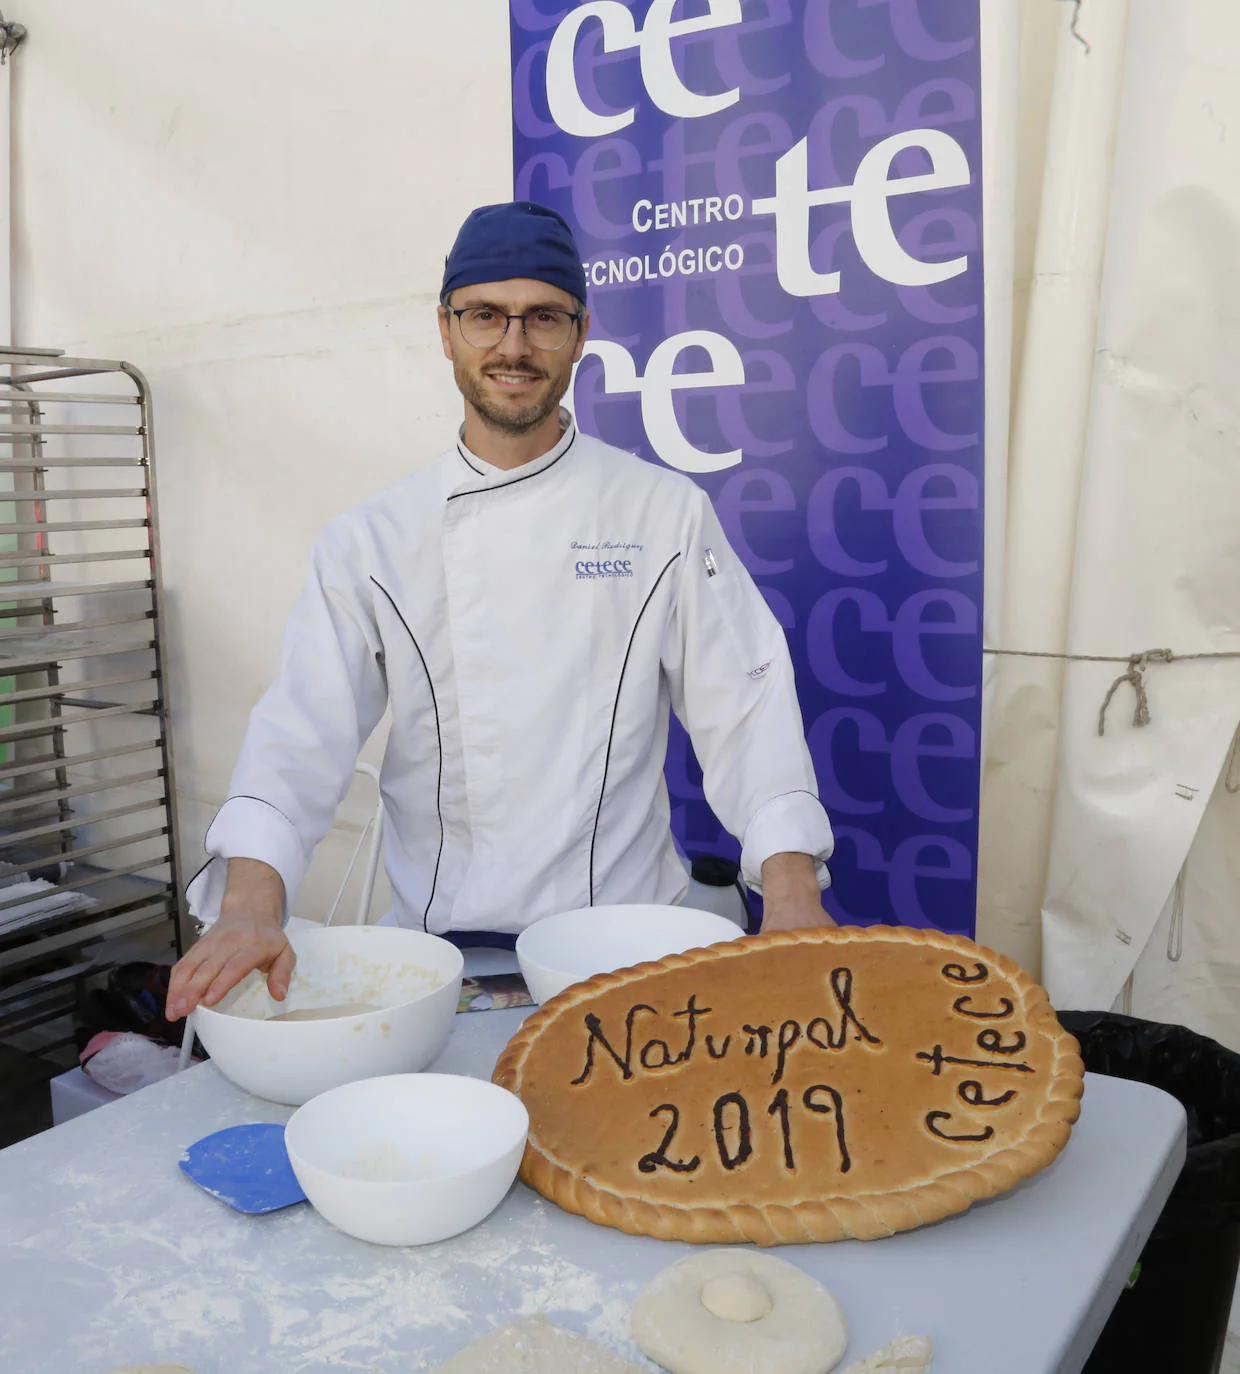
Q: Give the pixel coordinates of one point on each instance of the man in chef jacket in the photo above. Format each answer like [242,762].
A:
[530,605]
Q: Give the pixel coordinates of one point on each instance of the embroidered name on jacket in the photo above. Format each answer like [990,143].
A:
[590,568]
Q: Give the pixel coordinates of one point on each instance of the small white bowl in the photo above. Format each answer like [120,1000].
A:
[566,948]
[413,979]
[408,1159]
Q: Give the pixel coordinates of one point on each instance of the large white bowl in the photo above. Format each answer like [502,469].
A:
[566,948]
[413,978]
[409,1159]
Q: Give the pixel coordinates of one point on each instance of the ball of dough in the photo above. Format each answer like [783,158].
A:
[736,1298]
[803,1332]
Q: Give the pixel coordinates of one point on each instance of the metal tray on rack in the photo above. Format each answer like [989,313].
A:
[88,835]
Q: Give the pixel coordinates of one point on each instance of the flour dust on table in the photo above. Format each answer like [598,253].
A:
[536,1346]
[152,1369]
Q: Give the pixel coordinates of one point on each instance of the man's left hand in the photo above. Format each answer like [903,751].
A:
[791,897]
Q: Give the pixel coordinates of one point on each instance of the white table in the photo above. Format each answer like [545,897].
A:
[109,1256]
[75,1093]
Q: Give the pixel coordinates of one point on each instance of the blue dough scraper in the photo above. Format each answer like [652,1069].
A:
[246,1167]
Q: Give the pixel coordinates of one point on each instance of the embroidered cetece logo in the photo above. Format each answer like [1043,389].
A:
[603,558]
[588,568]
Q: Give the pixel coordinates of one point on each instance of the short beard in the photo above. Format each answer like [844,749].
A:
[514,422]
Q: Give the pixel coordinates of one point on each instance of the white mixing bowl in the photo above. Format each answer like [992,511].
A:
[409,1159]
[573,945]
[412,978]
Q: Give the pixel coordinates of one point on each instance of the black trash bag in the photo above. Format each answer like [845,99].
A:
[1204,1077]
[133,1000]
[1174,1316]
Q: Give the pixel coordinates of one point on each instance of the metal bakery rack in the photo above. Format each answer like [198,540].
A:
[88,851]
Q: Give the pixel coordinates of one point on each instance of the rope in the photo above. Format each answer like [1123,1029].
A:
[1134,676]
[11,35]
[1076,33]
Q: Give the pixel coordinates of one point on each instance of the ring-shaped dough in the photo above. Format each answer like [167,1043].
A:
[803,1333]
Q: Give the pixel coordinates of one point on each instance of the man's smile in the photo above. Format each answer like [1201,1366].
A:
[514,381]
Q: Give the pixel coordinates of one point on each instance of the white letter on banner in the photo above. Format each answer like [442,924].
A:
[871,221]
[619,372]
[727,368]
[659,72]
[656,388]
[791,205]
[564,100]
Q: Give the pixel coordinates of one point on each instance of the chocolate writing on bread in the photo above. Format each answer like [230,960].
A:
[806,1085]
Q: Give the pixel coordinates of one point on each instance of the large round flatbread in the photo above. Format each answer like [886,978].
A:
[800,1086]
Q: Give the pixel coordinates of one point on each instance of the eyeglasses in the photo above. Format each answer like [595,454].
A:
[545,327]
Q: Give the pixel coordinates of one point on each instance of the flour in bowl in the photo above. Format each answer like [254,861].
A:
[383,1162]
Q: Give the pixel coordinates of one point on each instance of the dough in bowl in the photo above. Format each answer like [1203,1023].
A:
[738,1312]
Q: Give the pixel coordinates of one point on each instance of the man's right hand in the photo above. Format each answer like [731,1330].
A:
[248,935]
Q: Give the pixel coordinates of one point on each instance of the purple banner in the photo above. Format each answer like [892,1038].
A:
[779,207]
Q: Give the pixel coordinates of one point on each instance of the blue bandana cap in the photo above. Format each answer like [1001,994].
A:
[516,239]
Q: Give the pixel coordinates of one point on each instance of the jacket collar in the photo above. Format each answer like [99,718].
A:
[484,476]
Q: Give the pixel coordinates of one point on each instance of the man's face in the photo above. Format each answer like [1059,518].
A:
[513,385]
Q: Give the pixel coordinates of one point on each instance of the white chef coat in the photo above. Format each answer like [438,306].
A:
[530,629]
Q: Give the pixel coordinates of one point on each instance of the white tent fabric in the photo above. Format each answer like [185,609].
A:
[1122,533]
[1189,971]
[1047,458]
[1157,556]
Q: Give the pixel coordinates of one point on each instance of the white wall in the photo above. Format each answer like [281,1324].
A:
[251,202]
